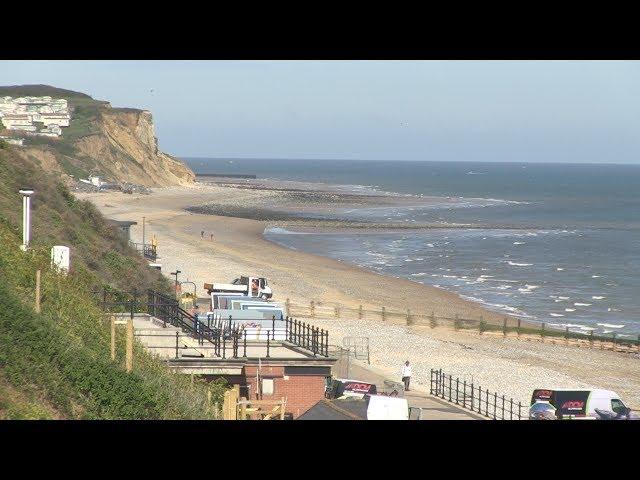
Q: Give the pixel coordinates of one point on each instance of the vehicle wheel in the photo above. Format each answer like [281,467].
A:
[264,297]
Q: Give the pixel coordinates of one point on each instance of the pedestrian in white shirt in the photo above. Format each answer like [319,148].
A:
[406,375]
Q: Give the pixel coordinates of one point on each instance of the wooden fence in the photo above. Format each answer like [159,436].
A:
[510,326]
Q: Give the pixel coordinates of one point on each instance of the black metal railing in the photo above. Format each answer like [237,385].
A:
[221,334]
[307,336]
[475,398]
[147,250]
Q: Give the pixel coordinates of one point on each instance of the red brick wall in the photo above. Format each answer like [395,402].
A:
[301,391]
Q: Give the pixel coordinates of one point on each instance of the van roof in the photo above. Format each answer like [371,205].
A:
[594,391]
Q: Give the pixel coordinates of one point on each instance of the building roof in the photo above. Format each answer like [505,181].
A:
[339,409]
[122,223]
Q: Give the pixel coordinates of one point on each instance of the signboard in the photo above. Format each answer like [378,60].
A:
[60,258]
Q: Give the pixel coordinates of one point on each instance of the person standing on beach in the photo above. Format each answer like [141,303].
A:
[202,234]
[406,375]
[212,237]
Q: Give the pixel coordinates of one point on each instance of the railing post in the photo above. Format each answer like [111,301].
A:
[245,342]
[519,411]
[472,396]
[224,345]
[495,404]
[464,394]
[511,409]
[486,403]
[268,345]
[502,407]
[273,326]
[457,389]
[177,343]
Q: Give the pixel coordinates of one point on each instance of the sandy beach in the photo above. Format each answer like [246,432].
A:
[506,365]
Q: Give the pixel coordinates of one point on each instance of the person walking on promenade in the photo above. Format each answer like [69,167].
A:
[406,375]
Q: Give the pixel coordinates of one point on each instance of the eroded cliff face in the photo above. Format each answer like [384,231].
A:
[118,144]
[127,149]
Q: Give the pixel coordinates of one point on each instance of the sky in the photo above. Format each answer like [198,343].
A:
[520,111]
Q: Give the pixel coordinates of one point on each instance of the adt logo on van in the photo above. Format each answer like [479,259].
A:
[573,405]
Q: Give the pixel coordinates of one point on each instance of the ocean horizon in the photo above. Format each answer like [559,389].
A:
[558,242]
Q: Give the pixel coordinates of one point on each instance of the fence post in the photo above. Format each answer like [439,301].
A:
[129,357]
[591,338]
[177,343]
[495,404]
[37,291]
[268,344]
[113,337]
[245,343]
[542,332]
[472,395]
[450,380]
[481,325]
[383,314]
[566,334]
[360,312]
[511,409]
[518,328]
[502,407]
[313,309]
[504,327]
[464,394]
[519,410]
[457,389]
[456,323]
[432,320]
[273,326]
[408,317]
[486,403]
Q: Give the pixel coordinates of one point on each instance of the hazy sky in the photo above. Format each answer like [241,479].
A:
[538,111]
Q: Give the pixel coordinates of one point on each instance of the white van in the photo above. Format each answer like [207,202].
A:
[579,404]
[383,407]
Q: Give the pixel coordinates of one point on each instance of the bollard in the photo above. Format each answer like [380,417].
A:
[383,314]
[360,312]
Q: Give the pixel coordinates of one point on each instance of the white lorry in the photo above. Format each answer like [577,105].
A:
[249,286]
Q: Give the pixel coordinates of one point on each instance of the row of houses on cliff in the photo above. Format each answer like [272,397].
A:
[43,116]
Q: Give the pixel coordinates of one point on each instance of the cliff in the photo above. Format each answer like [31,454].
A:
[118,144]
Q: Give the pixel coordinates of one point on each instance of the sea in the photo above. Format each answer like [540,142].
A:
[557,243]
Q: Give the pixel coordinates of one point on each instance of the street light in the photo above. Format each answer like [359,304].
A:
[26,217]
[176,274]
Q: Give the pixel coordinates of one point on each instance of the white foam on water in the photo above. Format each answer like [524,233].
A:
[595,276]
[610,325]
[611,309]
[519,243]
[564,298]
[578,304]
[515,264]
[486,276]
[559,269]
[556,314]
[421,274]
[595,297]
[569,309]
[430,245]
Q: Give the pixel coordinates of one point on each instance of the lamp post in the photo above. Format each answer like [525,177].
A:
[176,285]
[26,217]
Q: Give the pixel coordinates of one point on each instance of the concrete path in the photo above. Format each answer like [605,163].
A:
[433,407]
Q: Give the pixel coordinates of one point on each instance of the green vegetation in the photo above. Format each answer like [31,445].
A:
[56,364]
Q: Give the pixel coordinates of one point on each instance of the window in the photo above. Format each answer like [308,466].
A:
[267,386]
[618,407]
